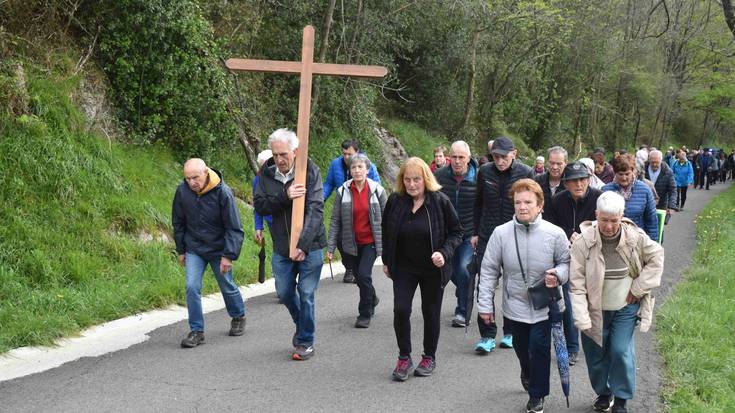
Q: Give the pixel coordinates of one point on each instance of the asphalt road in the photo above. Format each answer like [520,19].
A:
[349,372]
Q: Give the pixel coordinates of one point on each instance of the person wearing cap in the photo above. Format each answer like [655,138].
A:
[595,182]
[704,165]
[603,170]
[493,208]
[568,210]
[551,180]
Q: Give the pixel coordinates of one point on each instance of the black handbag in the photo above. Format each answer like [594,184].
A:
[540,295]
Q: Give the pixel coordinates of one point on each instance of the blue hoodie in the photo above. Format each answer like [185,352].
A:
[683,172]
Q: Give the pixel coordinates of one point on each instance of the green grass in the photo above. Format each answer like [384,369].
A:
[74,208]
[415,140]
[695,326]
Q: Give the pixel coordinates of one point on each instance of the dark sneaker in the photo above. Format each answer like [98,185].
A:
[603,403]
[619,406]
[376,301]
[349,277]
[525,382]
[194,339]
[302,352]
[237,326]
[573,357]
[294,340]
[403,369]
[426,367]
[362,322]
[535,405]
[459,321]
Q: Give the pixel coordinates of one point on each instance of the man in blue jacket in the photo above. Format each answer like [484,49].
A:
[207,231]
[338,174]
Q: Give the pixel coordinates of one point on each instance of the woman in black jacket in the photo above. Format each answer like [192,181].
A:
[421,230]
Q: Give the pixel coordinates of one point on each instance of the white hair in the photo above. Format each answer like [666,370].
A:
[589,163]
[284,135]
[540,159]
[461,144]
[611,203]
[558,149]
[655,151]
[264,156]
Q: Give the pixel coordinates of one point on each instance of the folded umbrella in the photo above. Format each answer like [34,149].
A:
[474,269]
[261,263]
[560,346]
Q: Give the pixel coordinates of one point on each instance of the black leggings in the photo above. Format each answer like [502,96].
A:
[682,195]
[432,292]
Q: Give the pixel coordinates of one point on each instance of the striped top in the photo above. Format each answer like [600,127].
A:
[617,281]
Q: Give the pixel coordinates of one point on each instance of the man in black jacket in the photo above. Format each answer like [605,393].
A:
[493,207]
[207,231]
[550,181]
[297,275]
[567,210]
[662,177]
[459,183]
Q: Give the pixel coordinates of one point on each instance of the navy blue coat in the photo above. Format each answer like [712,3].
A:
[207,225]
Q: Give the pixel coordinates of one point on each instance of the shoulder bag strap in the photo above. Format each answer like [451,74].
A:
[518,253]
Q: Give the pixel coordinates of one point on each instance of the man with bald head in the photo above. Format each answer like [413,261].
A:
[207,231]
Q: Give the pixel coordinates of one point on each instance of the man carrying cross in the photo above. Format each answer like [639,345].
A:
[297,273]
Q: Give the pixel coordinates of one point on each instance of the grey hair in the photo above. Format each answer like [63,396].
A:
[558,149]
[284,135]
[540,158]
[655,151]
[360,157]
[611,203]
[461,144]
[264,156]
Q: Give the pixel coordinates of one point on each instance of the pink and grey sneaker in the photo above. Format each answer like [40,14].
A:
[426,367]
[403,369]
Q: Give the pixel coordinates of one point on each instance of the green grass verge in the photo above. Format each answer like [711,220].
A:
[695,326]
[415,140]
[86,235]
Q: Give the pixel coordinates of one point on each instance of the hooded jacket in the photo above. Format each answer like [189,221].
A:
[665,187]
[461,194]
[645,259]
[207,223]
[493,206]
[341,230]
[542,246]
[683,173]
[444,226]
[271,199]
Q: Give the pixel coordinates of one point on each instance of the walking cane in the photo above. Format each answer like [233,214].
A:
[329,260]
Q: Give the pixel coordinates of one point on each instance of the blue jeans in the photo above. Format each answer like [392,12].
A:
[571,332]
[611,367]
[296,284]
[195,266]
[460,275]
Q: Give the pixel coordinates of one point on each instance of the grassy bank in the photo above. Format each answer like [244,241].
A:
[695,326]
[85,234]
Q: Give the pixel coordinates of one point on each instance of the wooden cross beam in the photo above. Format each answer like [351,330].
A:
[306,68]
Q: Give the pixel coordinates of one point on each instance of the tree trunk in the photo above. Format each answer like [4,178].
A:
[729,15]
[469,101]
[326,27]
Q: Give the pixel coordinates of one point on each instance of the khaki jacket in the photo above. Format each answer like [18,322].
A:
[645,259]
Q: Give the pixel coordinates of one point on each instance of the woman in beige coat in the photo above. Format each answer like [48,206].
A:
[614,267]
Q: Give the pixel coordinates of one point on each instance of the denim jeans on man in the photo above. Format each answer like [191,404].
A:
[296,284]
[195,266]
[460,276]
[532,344]
[571,333]
[611,368]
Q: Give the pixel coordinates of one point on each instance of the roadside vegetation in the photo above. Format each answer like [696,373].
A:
[695,325]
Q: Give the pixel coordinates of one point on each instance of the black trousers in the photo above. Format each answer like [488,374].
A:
[532,344]
[362,265]
[682,190]
[432,292]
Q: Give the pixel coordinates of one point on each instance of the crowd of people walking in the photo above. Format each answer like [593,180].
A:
[580,238]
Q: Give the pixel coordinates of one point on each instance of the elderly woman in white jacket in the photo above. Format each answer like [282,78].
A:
[529,253]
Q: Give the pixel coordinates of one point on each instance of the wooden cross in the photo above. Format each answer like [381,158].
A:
[306,68]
